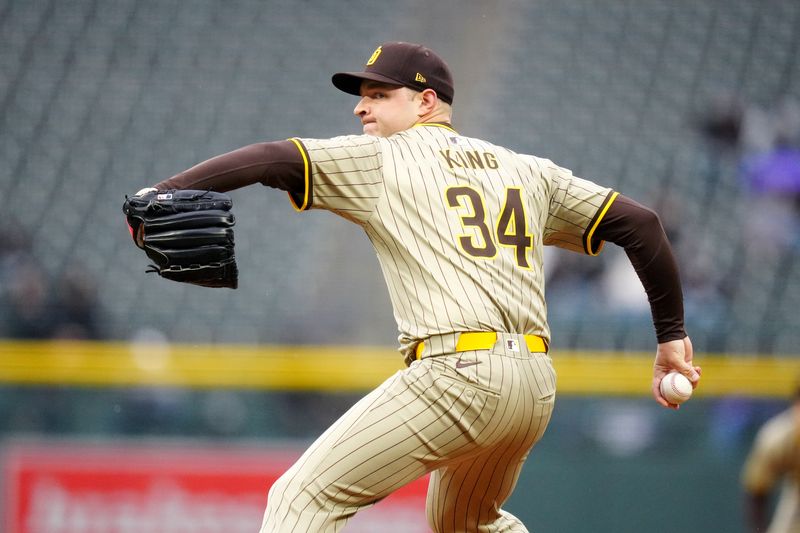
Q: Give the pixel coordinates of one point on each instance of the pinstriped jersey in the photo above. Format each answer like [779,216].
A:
[458,224]
[774,461]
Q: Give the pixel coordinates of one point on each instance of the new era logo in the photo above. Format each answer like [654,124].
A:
[420,78]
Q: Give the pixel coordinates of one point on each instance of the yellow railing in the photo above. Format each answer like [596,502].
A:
[348,368]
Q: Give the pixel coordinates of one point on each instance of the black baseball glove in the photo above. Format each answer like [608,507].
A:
[187,234]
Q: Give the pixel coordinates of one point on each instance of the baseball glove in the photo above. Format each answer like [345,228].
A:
[187,234]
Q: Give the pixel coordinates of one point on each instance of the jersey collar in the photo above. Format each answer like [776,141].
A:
[445,125]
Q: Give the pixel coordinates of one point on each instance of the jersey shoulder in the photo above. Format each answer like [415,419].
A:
[366,142]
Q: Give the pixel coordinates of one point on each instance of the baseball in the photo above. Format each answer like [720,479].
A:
[676,388]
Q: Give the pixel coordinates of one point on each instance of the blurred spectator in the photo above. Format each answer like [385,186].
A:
[776,172]
[721,123]
[28,311]
[35,308]
[14,243]
[32,306]
[75,307]
[775,460]
[772,179]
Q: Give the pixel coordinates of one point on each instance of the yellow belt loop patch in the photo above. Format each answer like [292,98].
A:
[479,340]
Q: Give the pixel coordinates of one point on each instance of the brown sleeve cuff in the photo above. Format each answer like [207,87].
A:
[638,230]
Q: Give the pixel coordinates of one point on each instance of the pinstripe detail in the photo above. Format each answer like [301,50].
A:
[473,427]
[468,494]
[468,435]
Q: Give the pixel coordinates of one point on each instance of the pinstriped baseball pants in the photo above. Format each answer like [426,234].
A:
[469,418]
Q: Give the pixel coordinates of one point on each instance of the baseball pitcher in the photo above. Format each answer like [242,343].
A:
[458,225]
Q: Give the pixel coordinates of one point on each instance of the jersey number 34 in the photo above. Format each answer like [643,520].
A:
[510,230]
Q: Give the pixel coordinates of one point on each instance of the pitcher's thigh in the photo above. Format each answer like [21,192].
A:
[371,451]
[468,494]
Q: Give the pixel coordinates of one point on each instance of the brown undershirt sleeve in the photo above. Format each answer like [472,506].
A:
[277,164]
[638,230]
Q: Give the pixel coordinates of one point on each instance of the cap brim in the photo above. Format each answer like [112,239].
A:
[350,82]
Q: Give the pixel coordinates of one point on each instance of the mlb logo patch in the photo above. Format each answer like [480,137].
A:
[512,345]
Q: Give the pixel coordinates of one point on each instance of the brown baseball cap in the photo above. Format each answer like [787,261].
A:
[405,64]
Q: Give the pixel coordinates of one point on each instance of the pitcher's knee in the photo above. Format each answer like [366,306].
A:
[274,500]
[461,522]
[437,520]
[316,504]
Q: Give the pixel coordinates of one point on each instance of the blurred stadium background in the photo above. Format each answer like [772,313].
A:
[691,107]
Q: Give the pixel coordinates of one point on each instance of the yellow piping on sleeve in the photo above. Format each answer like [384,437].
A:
[590,234]
[307,178]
